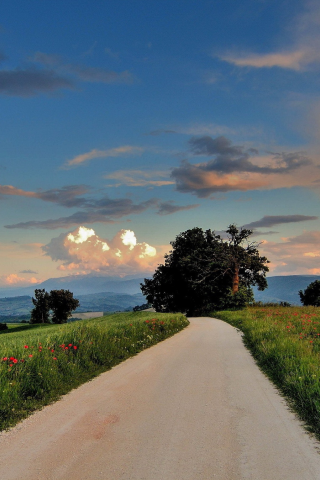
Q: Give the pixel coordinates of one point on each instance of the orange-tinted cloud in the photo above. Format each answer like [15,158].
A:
[112,152]
[237,168]
[294,255]
[14,280]
[304,41]
[83,250]
[294,60]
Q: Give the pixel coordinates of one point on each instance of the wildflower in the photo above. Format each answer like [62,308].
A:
[75,347]
[15,360]
[30,355]
[54,358]
[26,346]
[52,351]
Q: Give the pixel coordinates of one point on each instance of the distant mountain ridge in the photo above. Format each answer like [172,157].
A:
[105,293]
[82,285]
[284,288]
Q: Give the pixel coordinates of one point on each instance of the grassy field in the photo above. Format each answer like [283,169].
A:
[286,345]
[39,363]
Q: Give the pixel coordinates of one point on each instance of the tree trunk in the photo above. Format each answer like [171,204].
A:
[235,279]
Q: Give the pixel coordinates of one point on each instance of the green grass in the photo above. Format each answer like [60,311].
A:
[48,361]
[286,345]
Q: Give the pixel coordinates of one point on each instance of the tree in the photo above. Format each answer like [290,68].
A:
[62,304]
[203,272]
[311,295]
[40,312]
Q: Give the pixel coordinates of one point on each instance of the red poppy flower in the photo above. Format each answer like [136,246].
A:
[75,347]
[5,358]
[30,355]
[54,358]
[15,360]
[26,346]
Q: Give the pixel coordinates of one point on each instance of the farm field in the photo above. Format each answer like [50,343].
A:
[39,363]
[285,342]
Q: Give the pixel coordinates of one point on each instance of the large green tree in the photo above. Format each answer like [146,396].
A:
[62,304]
[40,312]
[203,272]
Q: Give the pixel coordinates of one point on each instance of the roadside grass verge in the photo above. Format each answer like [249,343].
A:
[285,342]
[39,363]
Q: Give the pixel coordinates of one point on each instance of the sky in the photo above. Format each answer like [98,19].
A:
[123,124]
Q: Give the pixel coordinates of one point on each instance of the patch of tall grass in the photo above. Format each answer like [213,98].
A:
[39,363]
[285,341]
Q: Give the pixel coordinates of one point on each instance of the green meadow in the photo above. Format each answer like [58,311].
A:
[285,342]
[39,363]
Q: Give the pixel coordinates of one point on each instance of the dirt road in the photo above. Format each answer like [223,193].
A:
[194,407]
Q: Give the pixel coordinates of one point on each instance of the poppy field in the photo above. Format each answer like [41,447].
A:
[285,342]
[39,363]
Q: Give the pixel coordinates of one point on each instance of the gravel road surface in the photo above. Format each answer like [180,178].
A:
[194,407]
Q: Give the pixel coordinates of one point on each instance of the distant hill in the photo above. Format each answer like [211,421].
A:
[82,285]
[103,301]
[284,288]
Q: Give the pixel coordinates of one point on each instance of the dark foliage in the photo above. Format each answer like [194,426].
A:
[202,273]
[62,304]
[40,312]
[311,295]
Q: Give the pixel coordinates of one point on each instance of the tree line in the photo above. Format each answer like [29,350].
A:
[58,303]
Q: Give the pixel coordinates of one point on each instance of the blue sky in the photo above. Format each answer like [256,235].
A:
[156,117]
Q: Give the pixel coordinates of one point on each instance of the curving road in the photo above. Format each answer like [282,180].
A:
[194,407]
